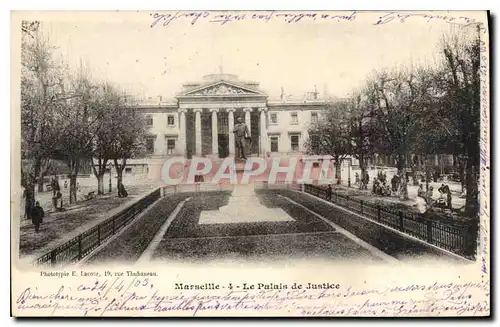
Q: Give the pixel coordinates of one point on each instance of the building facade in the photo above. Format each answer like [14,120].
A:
[201,119]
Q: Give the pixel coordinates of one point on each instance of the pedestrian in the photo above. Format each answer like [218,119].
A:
[448,198]
[387,190]
[56,184]
[445,190]
[329,192]
[375,186]
[122,192]
[429,195]
[356,182]
[37,215]
[56,199]
[366,180]
[394,184]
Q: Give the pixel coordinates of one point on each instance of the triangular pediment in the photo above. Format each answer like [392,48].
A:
[223,89]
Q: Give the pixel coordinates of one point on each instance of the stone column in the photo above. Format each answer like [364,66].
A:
[263,131]
[181,142]
[230,120]
[248,120]
[198,130]
[215,139]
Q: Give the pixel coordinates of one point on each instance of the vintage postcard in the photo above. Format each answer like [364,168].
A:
[250,163]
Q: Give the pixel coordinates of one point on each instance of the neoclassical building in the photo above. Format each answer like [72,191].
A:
[200,120]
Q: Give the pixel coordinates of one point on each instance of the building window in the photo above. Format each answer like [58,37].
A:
[274,143]
[294,142]
[149,120]
[273,117]
[170,146]
[295,118]
[128,170]
[314,117]
[170,120]
[150,144]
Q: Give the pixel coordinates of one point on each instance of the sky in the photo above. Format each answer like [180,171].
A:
[335,54]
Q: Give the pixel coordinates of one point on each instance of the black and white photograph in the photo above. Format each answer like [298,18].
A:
[151,149]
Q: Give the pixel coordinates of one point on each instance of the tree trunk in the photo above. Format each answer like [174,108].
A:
[42,172]
[100,184]
[99,174]
[37,172]
[119,181]
[72,188]
[119,173]
[461,172]
[338,176]
[471,186]
[74,165]
[403,188]
[362,166]
[40,182]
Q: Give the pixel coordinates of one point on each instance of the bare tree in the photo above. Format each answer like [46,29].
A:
[40,96]
[330,135]
[108,111]
[458,114]
[129,130]
[78,125]
[360,130]
[398,98]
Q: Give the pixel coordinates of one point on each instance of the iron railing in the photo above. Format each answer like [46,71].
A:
[459,237]
[80,246]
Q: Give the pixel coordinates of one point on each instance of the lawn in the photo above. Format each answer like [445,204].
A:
[58,225]
[129,246]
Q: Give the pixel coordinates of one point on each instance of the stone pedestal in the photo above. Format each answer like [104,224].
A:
[243,207]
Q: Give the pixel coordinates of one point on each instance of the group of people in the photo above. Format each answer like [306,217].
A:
[362,182]
[380,186]
[444,200]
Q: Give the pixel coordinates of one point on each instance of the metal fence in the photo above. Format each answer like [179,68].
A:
[207,187]
[459,237]
[278,185]
[80,246]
